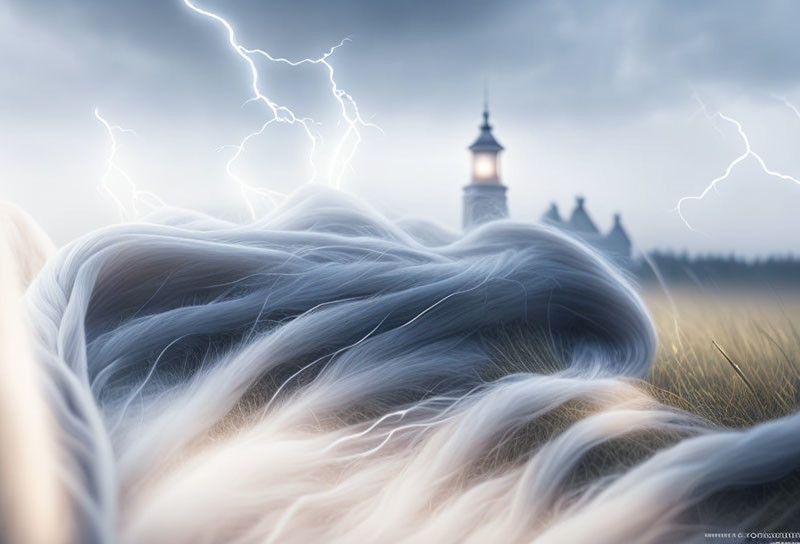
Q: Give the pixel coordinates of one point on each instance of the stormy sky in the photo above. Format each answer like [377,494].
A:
[588,97]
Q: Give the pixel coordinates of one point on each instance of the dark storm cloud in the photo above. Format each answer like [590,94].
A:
[588,96]
[583,56]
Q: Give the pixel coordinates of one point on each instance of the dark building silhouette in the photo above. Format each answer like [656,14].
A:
[551,216]
[580,221]
[617,240]
[616,244]
[485,196]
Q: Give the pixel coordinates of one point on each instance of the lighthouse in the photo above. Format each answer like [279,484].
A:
[485,196]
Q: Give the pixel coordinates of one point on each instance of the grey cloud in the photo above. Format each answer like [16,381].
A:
[568,79]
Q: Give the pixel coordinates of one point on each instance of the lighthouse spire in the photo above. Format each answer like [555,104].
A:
[486,99]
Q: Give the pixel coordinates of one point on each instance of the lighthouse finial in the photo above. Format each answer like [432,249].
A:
[485,102]
[486,99]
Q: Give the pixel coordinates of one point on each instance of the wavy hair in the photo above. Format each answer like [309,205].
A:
[327,375]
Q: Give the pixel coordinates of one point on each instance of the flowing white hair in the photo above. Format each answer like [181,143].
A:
[33,507]
[327,375]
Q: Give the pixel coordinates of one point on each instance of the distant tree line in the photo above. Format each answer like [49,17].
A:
[716,269]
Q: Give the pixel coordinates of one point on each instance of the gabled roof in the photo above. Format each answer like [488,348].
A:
[617,235]
[486,141]
[616,244]
[580,220]
[552,216]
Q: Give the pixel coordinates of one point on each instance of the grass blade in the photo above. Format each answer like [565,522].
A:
[735,368]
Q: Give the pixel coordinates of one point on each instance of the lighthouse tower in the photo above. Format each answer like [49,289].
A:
[485,196]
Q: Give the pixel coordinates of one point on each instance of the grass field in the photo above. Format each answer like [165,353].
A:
[759,331]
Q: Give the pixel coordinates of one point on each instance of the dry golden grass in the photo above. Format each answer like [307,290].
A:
[758,331]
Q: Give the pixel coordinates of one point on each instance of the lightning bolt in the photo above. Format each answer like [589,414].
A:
[748,152]
[788,105]
[114,171]
[344,150]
